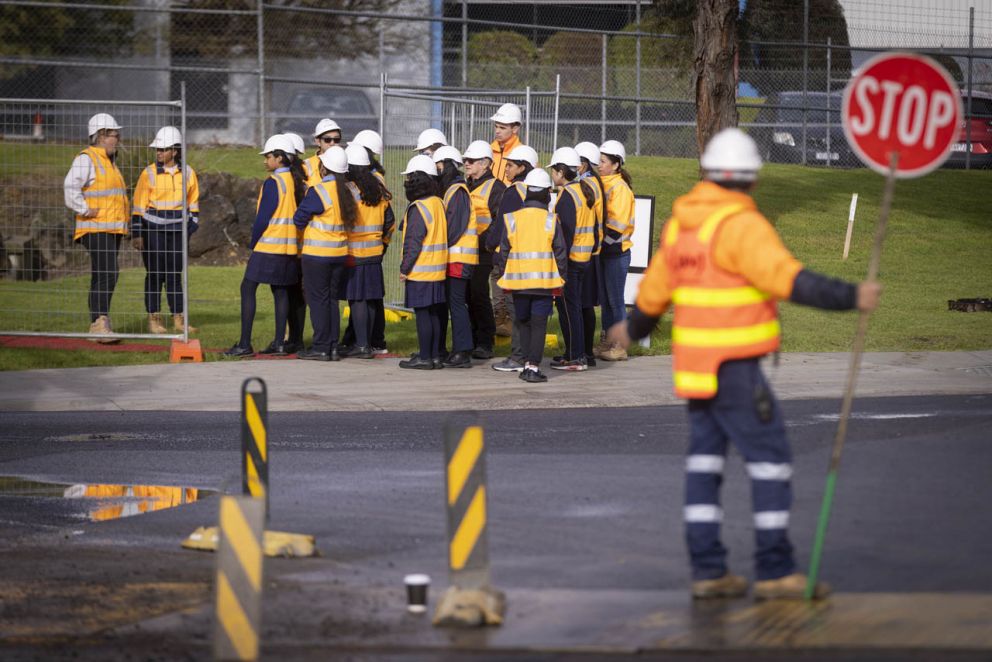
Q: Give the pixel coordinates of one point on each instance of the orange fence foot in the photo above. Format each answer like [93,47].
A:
[185,352]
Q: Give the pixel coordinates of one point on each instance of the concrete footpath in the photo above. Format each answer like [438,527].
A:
[380,385]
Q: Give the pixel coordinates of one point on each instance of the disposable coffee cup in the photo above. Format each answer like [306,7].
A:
[416,593]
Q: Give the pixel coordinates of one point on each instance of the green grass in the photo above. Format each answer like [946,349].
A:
[938,247]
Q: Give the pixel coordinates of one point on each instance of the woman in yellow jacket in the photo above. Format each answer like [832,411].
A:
[156,226]
[618,226]
[425,259]
[95,190]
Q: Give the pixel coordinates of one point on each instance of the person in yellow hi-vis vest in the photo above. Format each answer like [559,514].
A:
[95,190]
[723,266]
[326,134]
[425,259]
[275,244]
[618,228]
[531,258]
[156,226]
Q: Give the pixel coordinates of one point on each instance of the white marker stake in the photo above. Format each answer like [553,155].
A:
[850,224]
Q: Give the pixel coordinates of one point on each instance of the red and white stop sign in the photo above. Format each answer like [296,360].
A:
[905,103]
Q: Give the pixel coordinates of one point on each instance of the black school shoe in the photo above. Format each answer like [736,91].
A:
[293,347]
[438,363]
[237,351]
[533,375]
[417,363]
[274,350]
[459,360]
[483,353]
[360,353]
[313,355]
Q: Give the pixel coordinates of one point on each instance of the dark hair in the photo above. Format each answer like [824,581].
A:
[374,164]
[419,185]
[179,155]
[449,173]
[349,210]
[565,171]
[369,187]
[527,167]
[542,195]
[615,160]
[743,187]
[588,190]
[296,170]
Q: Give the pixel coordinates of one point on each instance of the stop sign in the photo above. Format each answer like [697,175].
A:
[905,103]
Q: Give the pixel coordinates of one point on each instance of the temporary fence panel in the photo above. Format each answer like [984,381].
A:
[56,276]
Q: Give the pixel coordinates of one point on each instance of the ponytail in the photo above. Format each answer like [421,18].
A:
[589,194]
[349,210]
[370,188]
[296,170]
[602,189]
[625,176]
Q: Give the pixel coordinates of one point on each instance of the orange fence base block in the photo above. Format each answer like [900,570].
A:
[185,352]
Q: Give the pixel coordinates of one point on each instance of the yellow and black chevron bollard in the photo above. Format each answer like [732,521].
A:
[470,600]
[238,610]
[254,442]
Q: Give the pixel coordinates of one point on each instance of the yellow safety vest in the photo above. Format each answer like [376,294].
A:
[530,264]
[163,191]
[586,223]
[107,194]
[326,234]
[311,168]
[619,208]
[432,263]
[365,239]
[280,236]
[480,203]
[466,249]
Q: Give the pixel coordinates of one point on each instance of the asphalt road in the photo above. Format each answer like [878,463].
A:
[579,499]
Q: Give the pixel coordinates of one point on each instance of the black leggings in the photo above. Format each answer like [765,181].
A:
[429,329]
[103,248]
[280,293]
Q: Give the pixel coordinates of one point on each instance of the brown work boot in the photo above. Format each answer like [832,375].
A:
[790,587]
[504,325]
[102,327]
[600,347]
[613,353]
[728,586]
[155,324]
[177,323]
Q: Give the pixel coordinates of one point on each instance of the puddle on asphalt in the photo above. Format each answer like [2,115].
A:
[98,502]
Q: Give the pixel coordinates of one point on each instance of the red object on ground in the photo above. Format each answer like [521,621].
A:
[905,103]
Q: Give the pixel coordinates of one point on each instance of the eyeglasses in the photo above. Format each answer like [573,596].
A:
[470,161]
[330,140]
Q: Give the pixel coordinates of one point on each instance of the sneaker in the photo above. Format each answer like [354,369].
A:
[590,361]
[790,587]
[614,353]
[728,586]
[238,351]
[575,365]
[378,351]
[533,375]
[558,360]
[483,353]
[313,355]
[417,363]
[508,365]
[459,360]
[274,350]
[155,324]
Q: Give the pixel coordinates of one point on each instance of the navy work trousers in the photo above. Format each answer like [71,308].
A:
[570,313]
[461,325]
[322,280]
[163,258]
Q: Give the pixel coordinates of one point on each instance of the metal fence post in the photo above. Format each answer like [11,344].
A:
[183,166]
[602,104]
[829,43]
[382,106]
[464,43]
[805,75]
[261,72]
[527,118]
[967,114]
[637,83]
[554,137]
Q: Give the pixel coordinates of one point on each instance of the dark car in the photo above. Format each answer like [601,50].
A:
[350,108]
[981,133]
[778,130]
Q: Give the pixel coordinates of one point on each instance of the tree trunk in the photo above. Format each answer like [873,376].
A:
[715,33]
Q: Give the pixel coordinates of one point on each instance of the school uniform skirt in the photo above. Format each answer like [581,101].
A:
[273,269]
[364,282]
[420,294]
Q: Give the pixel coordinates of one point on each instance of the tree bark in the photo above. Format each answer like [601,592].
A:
[714,29]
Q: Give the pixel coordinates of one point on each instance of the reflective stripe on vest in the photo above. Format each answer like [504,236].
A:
[311,168]
[165,195]
[365,240]
[624,226]
[107,194]
[466,249]
[584,238]
[530,262]
[432,261]
[280,236]
[480,202]
[326,235]
[719,316]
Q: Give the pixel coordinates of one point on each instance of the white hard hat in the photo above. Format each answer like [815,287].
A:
[420,163]
[537,178]
[428,138]
[523,153]
[368,139]
[166,137]
[588,151]
[614,148]
[357,155]
[565,156]
[325,125]
[478,149]
[101,121]
[334,159]
[731,155]
[280,142]
[445,153]
[298,146]
[508,113]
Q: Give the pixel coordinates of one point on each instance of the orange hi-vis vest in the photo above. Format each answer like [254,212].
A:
[280,236]
[107,195]
[480,203]
[311,168]
[619,208]
[163,192]
[326,234]
[530,263]
[719,316]
[466,249]
[586,223]
[432,263]
[365,239]
[499,157]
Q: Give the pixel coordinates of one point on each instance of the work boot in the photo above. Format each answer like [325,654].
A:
[504,326]
[177,323]
[613,353]
[790,587]
[155,324]
[728,586]
[600,347]
[101,326]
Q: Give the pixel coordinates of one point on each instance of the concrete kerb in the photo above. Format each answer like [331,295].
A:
[382,386]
